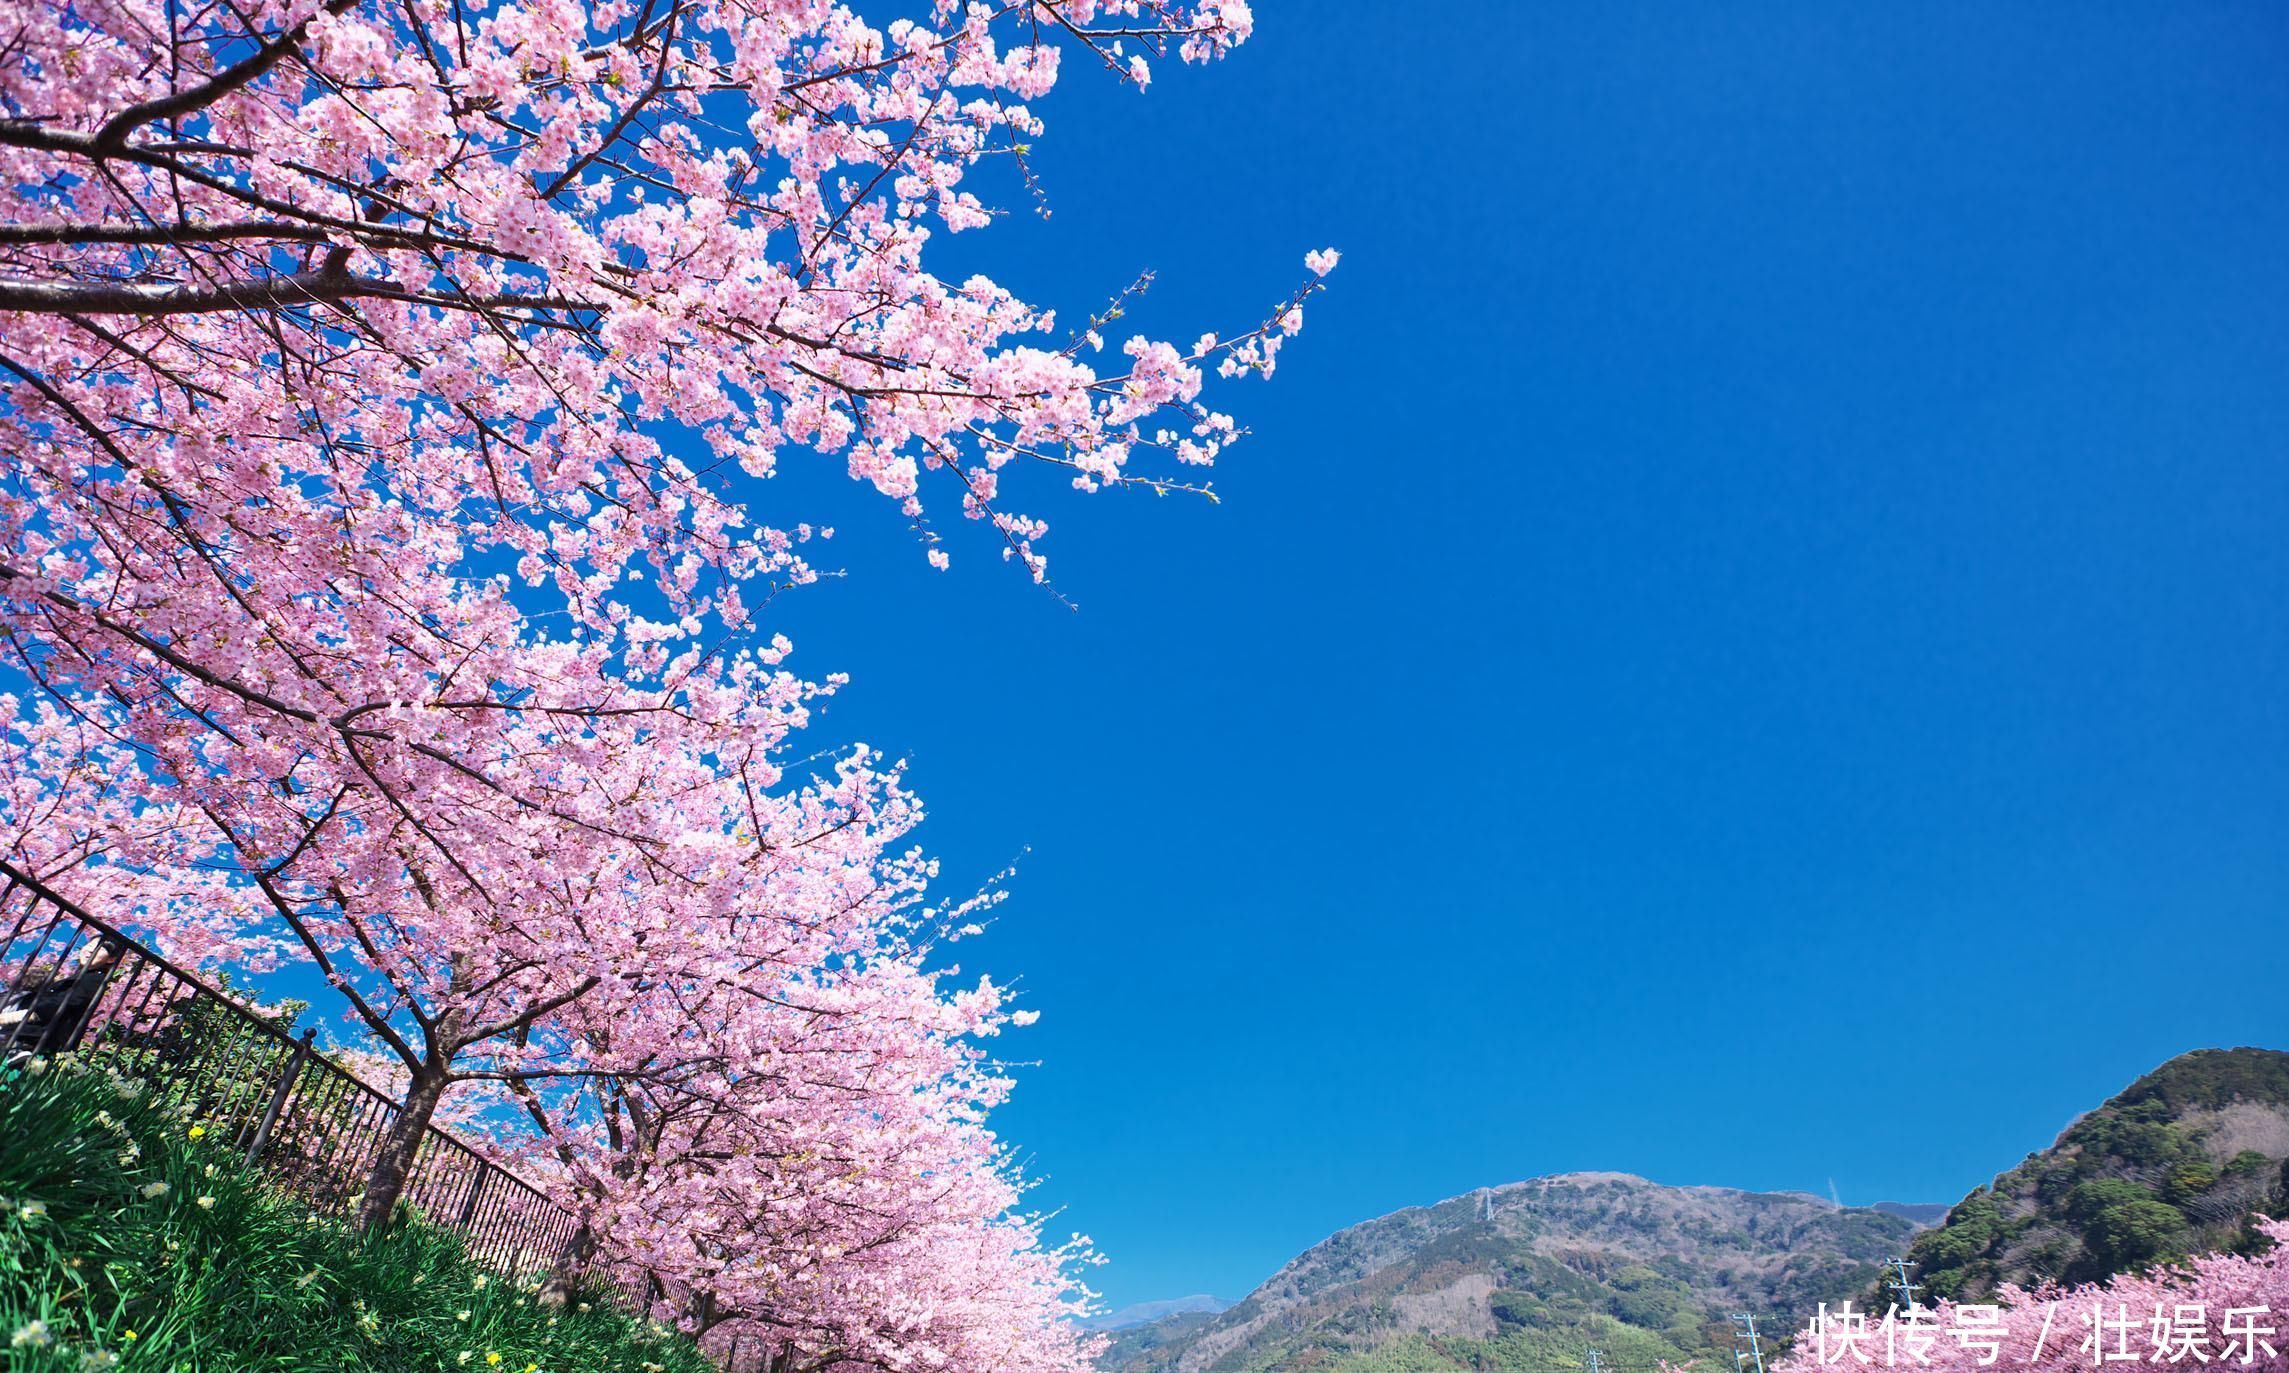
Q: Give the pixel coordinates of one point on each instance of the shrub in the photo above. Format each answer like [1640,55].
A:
[2133,1233]
[2092,1198]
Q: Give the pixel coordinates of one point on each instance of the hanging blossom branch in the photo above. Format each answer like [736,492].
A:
[544,185]
[384,381]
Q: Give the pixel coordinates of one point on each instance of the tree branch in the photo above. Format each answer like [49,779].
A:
[319,287]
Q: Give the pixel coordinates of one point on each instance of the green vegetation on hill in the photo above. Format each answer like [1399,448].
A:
[128,1239]
[1525,1278]
[2181,1162]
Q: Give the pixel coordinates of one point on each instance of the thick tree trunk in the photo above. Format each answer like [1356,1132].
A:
[386,1182]
[570,1265]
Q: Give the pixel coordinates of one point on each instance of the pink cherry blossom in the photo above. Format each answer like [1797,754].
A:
[388,389]
[2218,1311]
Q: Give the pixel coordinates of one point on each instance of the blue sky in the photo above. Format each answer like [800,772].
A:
[1746,646]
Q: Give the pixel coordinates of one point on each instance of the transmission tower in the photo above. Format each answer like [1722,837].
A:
[1753,1356]
[1901,1288]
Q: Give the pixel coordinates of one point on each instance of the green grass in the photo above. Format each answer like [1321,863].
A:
[129,1241]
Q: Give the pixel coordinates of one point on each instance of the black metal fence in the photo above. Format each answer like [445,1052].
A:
[76,984]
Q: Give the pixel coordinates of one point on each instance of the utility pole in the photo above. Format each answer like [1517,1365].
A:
[1901,1288]
[1594,1365]
[1754,1355]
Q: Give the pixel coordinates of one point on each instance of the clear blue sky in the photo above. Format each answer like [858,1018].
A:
[1747,647]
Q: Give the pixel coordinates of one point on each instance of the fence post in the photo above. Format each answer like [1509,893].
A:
[278,1098]
[476,1190]
[338,1117]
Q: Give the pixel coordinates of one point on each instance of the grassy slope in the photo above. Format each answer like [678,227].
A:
[126,1241]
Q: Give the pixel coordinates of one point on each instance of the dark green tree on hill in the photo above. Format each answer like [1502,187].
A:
[2165,1169]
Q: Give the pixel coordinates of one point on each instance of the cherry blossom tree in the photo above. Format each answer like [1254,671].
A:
[836,1195]
[2219,1311]
[389,385]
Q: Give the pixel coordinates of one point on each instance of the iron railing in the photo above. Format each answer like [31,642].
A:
[77,984]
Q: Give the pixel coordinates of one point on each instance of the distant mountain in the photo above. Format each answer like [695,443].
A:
[1146,1312]
[2179,1163]
[1524,1276]
[1920,1214]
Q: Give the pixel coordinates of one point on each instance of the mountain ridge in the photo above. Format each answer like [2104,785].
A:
[1146,1312]
[1510,1275]
[2180,1161]
[1523,1277]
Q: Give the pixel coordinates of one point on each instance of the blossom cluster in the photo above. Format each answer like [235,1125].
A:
[388,389]
[2173,1332]
[2226,1311]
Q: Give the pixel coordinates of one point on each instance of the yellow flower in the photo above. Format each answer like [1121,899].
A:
[206,1203]
[198,1131]
[127,1337]
[492,1358]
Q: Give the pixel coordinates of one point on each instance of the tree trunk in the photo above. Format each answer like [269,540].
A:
[400,1143]
[570,1265]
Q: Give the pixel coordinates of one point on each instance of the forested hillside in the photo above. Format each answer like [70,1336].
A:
[1526,1275]
[2181,1162]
